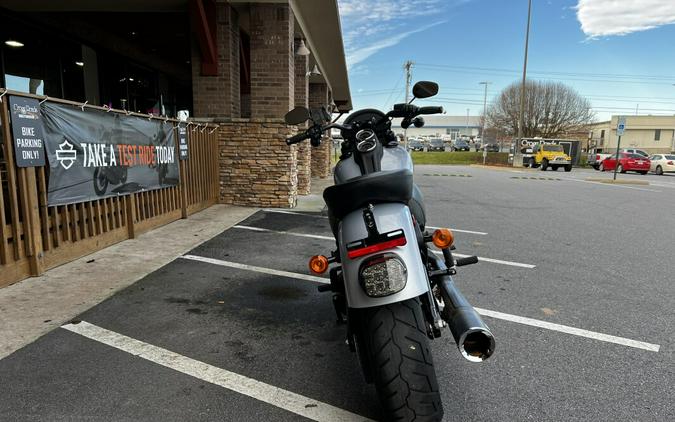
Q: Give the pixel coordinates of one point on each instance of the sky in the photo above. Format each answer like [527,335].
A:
[618,53]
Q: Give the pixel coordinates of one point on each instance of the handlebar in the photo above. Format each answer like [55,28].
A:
[297,138]
[430,110]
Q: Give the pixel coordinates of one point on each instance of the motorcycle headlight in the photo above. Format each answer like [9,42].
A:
[383,275]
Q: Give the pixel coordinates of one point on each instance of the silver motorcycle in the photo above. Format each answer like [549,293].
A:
[393,291]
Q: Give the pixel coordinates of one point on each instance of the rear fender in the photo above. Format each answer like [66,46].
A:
[388,217]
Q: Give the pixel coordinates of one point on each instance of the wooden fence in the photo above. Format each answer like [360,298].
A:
[35,237]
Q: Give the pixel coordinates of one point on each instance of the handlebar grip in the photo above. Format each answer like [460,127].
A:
[466,261]
[297,138]
[430,110]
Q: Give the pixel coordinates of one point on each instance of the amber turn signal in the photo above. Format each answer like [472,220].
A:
[318,264]
[443,238]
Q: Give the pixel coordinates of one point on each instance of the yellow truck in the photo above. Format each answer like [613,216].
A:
[550,155]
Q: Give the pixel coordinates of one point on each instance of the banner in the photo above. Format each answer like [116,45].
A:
[93,154]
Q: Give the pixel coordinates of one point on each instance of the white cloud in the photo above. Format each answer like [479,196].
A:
[369,26]
[600,18]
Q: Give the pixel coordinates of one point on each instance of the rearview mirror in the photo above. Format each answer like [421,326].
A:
[425,89]
[296,116]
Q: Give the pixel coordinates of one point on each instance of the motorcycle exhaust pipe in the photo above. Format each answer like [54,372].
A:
[474,339]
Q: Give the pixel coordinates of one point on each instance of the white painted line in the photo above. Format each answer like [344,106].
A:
[293,213]
[493,314]
[323,216]
[492,260]
[284,399]
[609,184]
[458,230]
[570,330]
[257,269]
[260,229]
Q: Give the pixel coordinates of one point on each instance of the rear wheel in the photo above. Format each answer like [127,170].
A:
[659,170]
[568,168]
[397,349]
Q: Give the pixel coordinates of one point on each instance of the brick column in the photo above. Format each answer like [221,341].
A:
[255,170]
[318,97]
[304,148]
[272,60]
[218,96]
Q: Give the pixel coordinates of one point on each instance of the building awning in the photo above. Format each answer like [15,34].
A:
[320,24]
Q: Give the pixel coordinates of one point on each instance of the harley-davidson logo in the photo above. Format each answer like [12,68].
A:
[66,155]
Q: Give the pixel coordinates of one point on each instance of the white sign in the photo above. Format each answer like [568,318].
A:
[621,126]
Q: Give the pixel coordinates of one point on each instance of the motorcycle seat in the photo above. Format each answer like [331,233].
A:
[383,186]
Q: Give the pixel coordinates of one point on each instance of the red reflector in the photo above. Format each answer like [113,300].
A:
[355,253]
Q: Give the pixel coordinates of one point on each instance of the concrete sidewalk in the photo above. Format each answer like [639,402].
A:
[37,305]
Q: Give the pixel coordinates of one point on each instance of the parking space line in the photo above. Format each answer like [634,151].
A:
[570,330]
[260,229]
[458,230]
[323,216]
[257,269]
[493,314]
[492,260]
[284,399]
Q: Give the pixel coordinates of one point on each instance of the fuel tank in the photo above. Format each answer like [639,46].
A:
[393,158]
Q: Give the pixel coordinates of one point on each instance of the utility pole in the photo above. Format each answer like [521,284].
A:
[482,131]
[522,87]
[408,78]
[466,128]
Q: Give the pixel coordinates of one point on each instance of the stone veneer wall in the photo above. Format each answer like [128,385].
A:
[256,166]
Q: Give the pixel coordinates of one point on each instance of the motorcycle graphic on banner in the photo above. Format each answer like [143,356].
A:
[93,154]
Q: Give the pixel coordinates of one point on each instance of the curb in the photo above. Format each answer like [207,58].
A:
[618,181]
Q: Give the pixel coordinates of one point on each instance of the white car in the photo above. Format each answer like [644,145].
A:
[662,163]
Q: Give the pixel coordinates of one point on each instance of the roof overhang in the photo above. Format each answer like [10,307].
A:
[320,24]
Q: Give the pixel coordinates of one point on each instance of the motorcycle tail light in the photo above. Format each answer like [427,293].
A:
[383,275]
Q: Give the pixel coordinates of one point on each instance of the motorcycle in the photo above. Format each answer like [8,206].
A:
[108,175]
[391,290]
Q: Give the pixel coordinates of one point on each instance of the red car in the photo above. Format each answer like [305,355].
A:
[627,162]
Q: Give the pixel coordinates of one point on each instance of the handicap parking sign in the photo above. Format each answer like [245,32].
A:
[621,126]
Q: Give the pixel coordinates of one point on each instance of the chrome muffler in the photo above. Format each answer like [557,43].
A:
[473,337]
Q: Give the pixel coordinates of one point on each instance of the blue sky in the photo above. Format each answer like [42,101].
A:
[619,56]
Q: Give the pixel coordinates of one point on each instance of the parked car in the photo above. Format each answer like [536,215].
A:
[627,162]
[662,163]
[460,145]
[635,151]
[492,147]
[550,155]
[415,145]
[596,158]
[436,145]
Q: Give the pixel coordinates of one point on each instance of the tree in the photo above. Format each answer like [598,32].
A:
[551,109]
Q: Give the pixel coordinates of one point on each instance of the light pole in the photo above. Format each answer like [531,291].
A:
[522,87]
[482,131]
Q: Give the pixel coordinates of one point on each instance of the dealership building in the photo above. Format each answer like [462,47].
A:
[239,64]
[104,82]
[454,126]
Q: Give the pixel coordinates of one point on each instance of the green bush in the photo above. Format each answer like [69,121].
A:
[459,157]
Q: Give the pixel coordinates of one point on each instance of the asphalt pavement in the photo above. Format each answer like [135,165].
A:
[575,281]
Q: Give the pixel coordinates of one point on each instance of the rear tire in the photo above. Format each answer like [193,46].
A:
[398,351]
[659,170]
[568,168]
